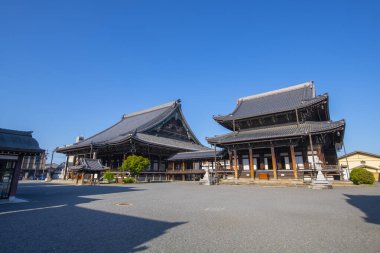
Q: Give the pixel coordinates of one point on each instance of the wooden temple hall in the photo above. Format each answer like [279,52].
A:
[156,133]
[286,133]
[282,134]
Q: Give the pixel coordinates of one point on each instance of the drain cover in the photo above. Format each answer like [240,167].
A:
[123,204]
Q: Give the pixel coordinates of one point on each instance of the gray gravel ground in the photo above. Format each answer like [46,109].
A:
[186,217]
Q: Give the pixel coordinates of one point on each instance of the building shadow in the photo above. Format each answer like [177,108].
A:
[368,204]
[70,226]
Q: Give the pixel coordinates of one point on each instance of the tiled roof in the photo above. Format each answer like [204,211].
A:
[18,140]
[162,141]
[129,124]
[87,164]
[277,132]
[359,152]
[281,100]
[204,154]
[365,167]
[132,126]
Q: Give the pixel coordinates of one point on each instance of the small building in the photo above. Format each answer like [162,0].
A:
[361,159]
[14,146]
[33,166]
[282,134]
[88,170]
[55,170]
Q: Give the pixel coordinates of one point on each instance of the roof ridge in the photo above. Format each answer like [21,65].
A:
[359,151]
[288,124]
[198,151]
[16,132]
[269,93]
[155,108]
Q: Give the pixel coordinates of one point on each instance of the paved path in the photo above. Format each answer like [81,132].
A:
[186,217]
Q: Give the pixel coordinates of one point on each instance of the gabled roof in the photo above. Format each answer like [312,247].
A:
[132,126]
[366,167]
[167,142]
[89,165]
[359,152]
[204,154]
[278,132]
[12,140]
[282,100]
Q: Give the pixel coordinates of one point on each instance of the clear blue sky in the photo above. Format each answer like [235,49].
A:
[71,68]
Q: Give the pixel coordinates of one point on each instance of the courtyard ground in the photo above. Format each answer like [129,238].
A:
[187,217]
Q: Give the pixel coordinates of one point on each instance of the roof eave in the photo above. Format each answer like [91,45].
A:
[229,118]
[215,141]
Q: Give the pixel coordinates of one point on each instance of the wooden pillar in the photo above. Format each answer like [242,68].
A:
[82,180]
[235,164]
[66,168]
[274,163]
[173,166]
[321,156]
[230,157]
[183,170]
[16,174]
[251,164]
[294,163]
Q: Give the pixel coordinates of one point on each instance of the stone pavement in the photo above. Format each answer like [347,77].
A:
[187,217]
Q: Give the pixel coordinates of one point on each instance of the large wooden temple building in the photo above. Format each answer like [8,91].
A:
[156,133]
[286,133]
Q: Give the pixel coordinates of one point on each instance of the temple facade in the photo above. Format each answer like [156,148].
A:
[282,134]
[156,133]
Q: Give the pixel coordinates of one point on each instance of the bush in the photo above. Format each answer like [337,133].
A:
[109,176]
[128,180]
[135,164]
[362,176]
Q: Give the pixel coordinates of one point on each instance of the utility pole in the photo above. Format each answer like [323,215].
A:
[51,164]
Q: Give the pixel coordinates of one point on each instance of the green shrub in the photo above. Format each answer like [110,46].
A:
[128,180]
[135,164]
[109,176]
[362,176]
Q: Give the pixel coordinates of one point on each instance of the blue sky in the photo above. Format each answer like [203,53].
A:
[71,68]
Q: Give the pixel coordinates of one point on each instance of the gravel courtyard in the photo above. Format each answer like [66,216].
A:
[186,217]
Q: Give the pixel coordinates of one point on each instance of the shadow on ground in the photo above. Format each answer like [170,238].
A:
[71,228]
[368,204]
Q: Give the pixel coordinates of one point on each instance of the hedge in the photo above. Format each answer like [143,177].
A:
[362,176]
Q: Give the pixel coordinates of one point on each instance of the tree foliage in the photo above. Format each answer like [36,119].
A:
[109,176]
[135,164]
[129,180]
[362,176]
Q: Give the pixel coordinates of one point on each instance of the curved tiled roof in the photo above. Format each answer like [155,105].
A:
[89,165]
[167,142]
[133,125]
[18,140]
[204,154]
[281,100]
[277,132]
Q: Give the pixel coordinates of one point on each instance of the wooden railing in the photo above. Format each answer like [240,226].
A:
[185,171]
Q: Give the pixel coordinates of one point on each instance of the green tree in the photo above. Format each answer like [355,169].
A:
[109,176]
[135,164]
